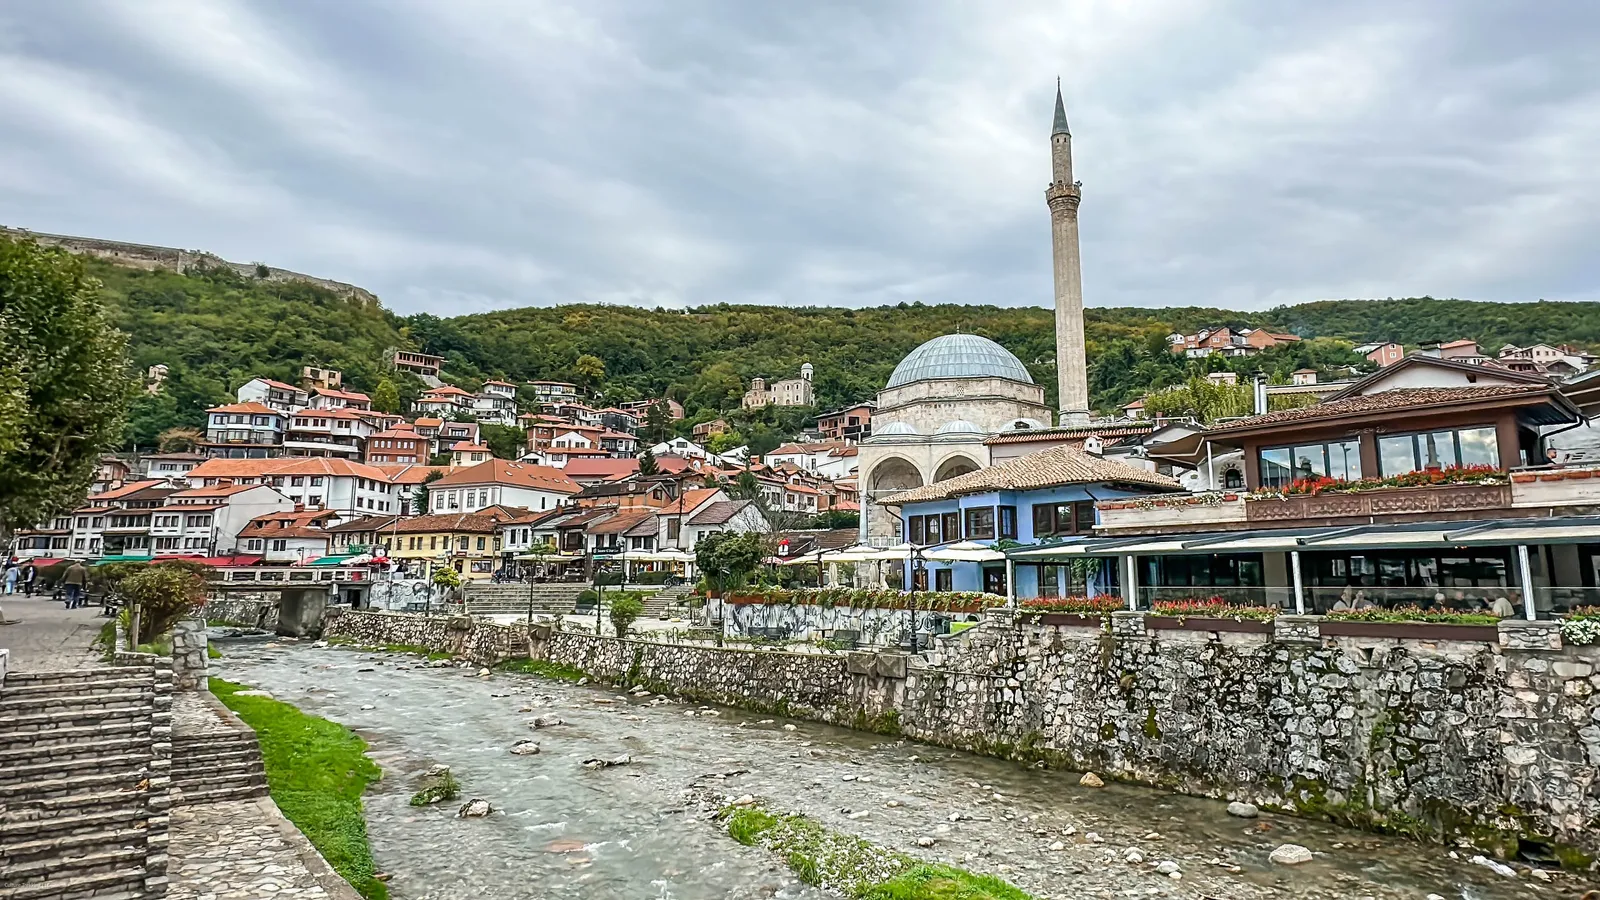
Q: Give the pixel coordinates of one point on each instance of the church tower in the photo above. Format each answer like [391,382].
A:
[1062,195]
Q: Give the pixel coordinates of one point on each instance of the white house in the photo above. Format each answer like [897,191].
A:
[680,447]
[285,398]
[499,482]
[333,398]
[350,488]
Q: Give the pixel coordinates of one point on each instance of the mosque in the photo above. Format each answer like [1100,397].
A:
[954,392]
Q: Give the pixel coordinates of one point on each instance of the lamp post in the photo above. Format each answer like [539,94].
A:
[919,566]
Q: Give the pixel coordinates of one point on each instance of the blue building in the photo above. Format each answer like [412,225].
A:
[1041,498]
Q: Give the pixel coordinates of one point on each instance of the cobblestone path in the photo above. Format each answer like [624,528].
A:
[245,850]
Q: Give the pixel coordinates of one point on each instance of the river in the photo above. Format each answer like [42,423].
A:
[629,832]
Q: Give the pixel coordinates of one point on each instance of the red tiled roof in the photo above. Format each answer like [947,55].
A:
[442,522]
[594,467]
[411,473]
[448,390]
[1384,401]
[252,408]
[306,465]
[216,490]
[132,487]
[427,422]
[720,513]
[344,395]
[340,413]
[468,447]
[501,471]
[621,522]
[1070,432]
[279,385]
[690,500]
[1047,468]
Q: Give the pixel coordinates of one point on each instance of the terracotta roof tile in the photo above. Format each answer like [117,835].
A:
[501,471]
[252,408]
[306,465]
[469,522]
[1384,401]
[1047,468]
[621,522]
[1116,430]
[720,513]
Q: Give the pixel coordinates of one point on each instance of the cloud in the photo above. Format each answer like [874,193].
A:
[489,153]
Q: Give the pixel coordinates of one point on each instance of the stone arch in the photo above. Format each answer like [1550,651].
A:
[953,465]
[889,475]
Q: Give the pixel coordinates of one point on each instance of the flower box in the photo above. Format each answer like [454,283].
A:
[1206,623]
[1078,620]
[1579,474]
[1524,478]
[1550,476]
[1416,631]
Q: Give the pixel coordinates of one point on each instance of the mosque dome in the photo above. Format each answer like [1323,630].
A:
[894,428]
[960,426]
[958,356]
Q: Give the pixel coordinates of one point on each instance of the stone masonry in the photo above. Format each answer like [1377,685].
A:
[1490,743]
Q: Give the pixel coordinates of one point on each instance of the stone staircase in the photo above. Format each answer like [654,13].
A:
[513,599]
[84,780]
[215,757]
[658,605]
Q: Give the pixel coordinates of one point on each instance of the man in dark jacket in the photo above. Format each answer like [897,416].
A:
[76,582]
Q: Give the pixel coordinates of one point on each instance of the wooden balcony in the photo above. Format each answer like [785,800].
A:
[1445,501]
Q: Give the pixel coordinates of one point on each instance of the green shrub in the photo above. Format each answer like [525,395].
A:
[624,610]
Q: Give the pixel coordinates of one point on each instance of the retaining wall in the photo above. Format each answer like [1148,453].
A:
[1493,742]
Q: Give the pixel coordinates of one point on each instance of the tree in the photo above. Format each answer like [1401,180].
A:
[727,440]
[657,424]
[837,518]
[647,463]
[419,494]
[162,594]
[745,487]
[624,611]
[505,441]
[727,559]
[180,440]
[65,384]
[386,397]
[588,371]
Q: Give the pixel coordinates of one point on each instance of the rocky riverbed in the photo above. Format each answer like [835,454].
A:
[561,829]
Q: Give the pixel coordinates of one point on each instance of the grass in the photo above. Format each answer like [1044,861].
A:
[317,771]
[445,787]
[856,868]
[212,652]
[540,667]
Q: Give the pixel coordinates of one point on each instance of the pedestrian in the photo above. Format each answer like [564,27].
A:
[13,572]
[30,574]
[1503,608]
[76,581]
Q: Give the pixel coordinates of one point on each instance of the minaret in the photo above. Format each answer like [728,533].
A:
[1063,196]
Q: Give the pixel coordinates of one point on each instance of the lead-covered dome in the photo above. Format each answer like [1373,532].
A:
[959,356]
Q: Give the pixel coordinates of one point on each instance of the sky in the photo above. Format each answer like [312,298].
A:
[460,156]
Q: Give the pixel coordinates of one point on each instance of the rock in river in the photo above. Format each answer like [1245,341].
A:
[1091,780]
[1290,855]
[474,809]
[525,748]
[1243,810]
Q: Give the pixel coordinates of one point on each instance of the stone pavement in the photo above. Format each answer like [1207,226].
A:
[245,850]
[46,636]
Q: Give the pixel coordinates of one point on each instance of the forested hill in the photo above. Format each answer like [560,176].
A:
[215,329]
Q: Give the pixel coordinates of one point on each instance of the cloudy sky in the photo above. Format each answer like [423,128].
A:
[462,155]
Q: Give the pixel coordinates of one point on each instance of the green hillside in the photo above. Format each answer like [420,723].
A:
[215,329]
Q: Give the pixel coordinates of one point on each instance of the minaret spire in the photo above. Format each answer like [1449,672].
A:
[1063,196]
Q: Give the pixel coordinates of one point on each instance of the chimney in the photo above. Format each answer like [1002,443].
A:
[1261,394]
[1429,348]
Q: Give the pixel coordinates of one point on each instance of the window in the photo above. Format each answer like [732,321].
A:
[1008,522]
[433,542]
[943,579]
[297,481]
[316,481]
[1232,480]
[1402,453]
[77,544]
[1049,581]
[314,500]
[673,529]
[1074,517]
[1336,459]
[280,545]
[253,544]
[481,542]
[980,523]
[167,543]
[463,542]
[915,532]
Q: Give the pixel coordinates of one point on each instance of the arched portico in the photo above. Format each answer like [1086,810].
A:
[953,465]
[890,475]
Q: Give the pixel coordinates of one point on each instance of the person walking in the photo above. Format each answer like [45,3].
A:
[76,582]
[30,574]
[13,573]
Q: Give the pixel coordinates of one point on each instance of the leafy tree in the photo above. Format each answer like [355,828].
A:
[727,440]
[837,518]
[180,440]
[447,578]
[745,487]
[419,494]
[163,594]
[647,463]
[657,424]
[727,559]
[505,441]
[386,397]
[589,371]
[625,610]
[65,385]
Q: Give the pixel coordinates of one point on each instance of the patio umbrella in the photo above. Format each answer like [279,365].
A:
[966,551]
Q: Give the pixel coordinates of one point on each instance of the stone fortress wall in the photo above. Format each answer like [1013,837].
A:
[145,256]
[1492,744]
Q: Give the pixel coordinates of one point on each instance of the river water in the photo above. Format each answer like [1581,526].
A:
[629,832]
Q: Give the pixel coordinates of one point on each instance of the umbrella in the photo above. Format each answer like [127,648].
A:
[966,551]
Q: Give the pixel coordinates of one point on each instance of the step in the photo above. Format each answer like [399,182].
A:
[78,676]
[36,811]
[99,886]
[74,750]
[65,768]
[53,868]
[24,793]
[189,762]
[219,795]
[70,718]
[51,738]
[17,685]
[47,702]
[124,816]
[99,838]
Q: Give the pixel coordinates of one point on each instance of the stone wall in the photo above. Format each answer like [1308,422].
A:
[189,660]
[244,612]
[1494,742]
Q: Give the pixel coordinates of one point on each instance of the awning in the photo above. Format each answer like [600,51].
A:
[106,560]
[658,556]
[331,560]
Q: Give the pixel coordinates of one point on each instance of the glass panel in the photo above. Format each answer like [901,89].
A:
[952,527]
[1043,520]
[915,532]
[980,523]
[1438,449]
[1344,459]
[1276,467]
[935,535]
[1479,447]
[1083,516]
[1397,454]
[1310,461]
[1049,585]
[1008,522]
[942,580]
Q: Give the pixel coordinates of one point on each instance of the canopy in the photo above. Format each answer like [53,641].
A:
[340,560]
[965,551]
[105,560]
[668,555]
